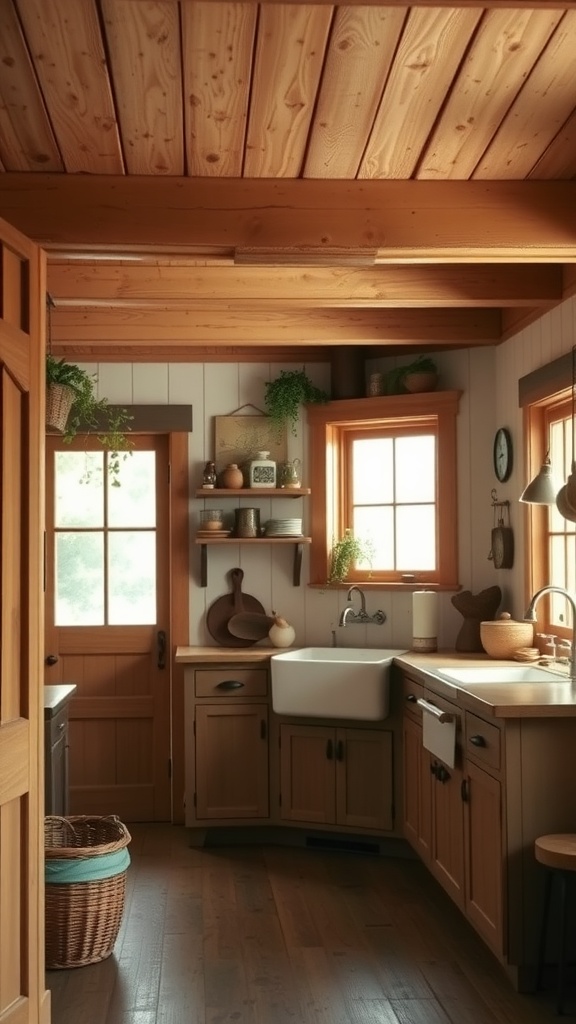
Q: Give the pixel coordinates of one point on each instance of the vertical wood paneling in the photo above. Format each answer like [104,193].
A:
[11,916]
[11,484]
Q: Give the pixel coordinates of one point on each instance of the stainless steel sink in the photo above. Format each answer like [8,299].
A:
[328,682]
[499,674]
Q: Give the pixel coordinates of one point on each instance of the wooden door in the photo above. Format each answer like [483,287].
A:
[231,742]
[23,996]
[307,773]
[364,776]
[107,622]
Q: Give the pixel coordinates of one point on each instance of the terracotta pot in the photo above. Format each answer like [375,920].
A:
[417,382]
[232,477]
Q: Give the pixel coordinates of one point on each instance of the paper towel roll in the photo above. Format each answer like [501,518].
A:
[425,619]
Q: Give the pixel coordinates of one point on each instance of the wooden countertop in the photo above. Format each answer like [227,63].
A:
[223,655]
[556,699]
[56,696]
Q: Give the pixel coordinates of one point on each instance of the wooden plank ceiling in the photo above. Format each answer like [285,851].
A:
[243,180]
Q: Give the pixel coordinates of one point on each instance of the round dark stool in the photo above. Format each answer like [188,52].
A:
[558,854]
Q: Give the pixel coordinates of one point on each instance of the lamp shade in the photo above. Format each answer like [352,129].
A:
[542,490]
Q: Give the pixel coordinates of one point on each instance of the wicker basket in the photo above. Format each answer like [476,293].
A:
[502,637]
[59,399]
[83,918]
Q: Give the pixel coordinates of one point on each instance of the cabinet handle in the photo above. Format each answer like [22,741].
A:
[62,726]
[442,774]
[434,768]
[329,750]
[478,741]
[426,705]
[229,684]
[464,790]
[340,750]
[52,659]
[161,640]
[262,729]
[412,698]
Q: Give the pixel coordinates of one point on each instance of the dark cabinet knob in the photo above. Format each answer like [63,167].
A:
[52,659]
[478,741]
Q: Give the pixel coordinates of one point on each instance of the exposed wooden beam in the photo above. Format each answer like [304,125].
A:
[193,287]
[520,4]
[420,219]
[238,327]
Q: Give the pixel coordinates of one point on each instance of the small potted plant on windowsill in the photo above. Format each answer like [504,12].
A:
[72,407]
[284,396]
[345,553]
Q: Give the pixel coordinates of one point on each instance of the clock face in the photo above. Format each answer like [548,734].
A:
[502,454]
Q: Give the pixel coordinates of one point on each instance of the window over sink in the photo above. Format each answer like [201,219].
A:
[385,468]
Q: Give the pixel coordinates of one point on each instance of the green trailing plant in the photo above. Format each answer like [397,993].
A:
[284,396]
[345,553]
[89,414]
[395,378]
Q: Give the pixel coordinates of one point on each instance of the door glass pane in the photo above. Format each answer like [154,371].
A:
[132,577]
[79,598]
[133,503]
[79,498]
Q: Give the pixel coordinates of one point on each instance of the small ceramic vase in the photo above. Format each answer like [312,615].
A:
[232,477]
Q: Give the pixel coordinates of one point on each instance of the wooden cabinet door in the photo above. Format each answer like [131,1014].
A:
[231,742]
[307,779]
[484,856]
[364,789]
[417,790]
[447,852]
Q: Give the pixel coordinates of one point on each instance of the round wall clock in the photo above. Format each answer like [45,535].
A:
[502,454]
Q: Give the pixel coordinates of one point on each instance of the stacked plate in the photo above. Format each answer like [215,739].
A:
[284,528]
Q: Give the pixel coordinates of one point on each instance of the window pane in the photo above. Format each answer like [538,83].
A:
[132,577]
[415,468]
[133,503]
[415,537]
[373,470]
[79,499]
[79,599]
[376,526]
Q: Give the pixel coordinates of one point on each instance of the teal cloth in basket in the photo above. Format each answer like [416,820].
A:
[86,869]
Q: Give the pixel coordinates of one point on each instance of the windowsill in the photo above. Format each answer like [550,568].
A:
[377,585]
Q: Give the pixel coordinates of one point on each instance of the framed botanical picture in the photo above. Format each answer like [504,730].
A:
[240,438]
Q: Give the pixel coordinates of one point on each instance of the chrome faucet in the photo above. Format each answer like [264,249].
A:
[530,616]
[349,616]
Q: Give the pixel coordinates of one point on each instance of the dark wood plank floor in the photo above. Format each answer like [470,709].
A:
[285,935]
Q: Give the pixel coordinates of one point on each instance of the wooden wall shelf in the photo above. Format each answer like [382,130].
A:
[296,542]
[252,492]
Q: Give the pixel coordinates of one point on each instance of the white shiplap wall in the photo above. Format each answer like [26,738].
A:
[488,378]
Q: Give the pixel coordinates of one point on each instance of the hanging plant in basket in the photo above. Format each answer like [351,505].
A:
[72,408]
[284,396]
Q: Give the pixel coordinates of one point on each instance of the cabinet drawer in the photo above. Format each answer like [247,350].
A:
[482,741]
[231,682]
[411,692]
[55,727]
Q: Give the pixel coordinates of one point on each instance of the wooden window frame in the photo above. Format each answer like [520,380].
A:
[326,423]
[545,388]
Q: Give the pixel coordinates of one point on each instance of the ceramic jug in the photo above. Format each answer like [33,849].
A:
[290,474]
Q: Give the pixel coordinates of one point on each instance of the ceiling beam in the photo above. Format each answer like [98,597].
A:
[410,219]
[220,326]
[516,4]
[147,286]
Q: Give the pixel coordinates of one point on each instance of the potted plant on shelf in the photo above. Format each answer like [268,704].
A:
[72,407]
[284,396]
[420,375]
[345,553]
